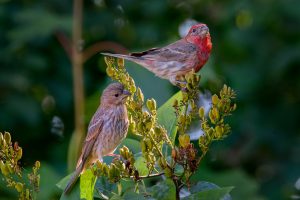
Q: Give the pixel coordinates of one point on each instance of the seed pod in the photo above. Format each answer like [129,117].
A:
[105,169]
[10,168]
[184,140]
[7,138]
[140,95]
[110,71]
[151,104]
[215,99]
[1,140]
[120,62]
[132,89]
[19,187]
[201,112]
[4,169]
[219,131]
[99,164]
[37,164]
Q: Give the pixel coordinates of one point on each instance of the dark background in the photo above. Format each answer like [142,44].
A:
[256,51]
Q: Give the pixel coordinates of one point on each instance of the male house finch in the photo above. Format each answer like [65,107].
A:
[178,58]
[106,130]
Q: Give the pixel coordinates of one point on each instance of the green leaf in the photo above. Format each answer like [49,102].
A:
[167,118]
[164,190]
[140,164]
[209,191]
[87,184]
[211,194]
[74,194]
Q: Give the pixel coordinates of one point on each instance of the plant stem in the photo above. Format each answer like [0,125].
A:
[175,181]
[77,65]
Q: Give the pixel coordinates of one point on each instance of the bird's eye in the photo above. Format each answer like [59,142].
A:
[116,95]
[194,30]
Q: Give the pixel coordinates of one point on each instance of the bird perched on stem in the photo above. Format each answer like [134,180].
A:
[175,60]
[106,130]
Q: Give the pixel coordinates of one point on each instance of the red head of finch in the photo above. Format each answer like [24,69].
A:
[176,59]
[107,128]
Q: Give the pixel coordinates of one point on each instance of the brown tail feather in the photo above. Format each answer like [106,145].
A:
[72,181]
[126,57]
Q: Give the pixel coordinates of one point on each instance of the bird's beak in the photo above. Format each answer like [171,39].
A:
[204,30]
[126,93]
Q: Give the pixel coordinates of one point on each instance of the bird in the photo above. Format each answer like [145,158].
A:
[106,130]
[177,59]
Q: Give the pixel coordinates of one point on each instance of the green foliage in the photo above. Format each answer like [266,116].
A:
[14,176]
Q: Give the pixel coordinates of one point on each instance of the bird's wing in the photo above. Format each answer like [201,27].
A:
[94,130]
[176,51]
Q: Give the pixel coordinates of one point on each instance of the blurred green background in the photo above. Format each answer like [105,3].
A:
[256,51]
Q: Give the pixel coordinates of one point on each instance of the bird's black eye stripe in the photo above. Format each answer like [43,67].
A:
[116,95]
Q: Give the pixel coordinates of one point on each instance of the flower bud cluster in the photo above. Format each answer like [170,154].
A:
[10,155]
[214,126]
[189,96]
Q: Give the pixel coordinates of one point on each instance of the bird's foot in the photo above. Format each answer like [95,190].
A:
[181,85]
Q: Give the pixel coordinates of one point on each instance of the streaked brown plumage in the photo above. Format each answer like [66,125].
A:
[106,130]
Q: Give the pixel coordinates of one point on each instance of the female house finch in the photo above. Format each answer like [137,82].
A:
[106,130]
[178,58]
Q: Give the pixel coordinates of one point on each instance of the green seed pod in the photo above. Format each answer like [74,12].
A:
[216,114]
[201,112]
[184,140]
[219,131]
[19,187]
[37,164]
[4,169]
[215,99]
[233,108]
[140,95]
[105,169]
[132,126]
[110,71]
[120,62]
[107,61]
[1,140]
[10,168]
[140,126]
[7,138]
[132,89]
[19,153]
[151,104]
[99,164]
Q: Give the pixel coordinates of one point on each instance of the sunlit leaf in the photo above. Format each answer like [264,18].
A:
[87,183]
[167,118]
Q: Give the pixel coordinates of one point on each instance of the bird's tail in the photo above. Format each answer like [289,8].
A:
[73,180]
[126,57]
